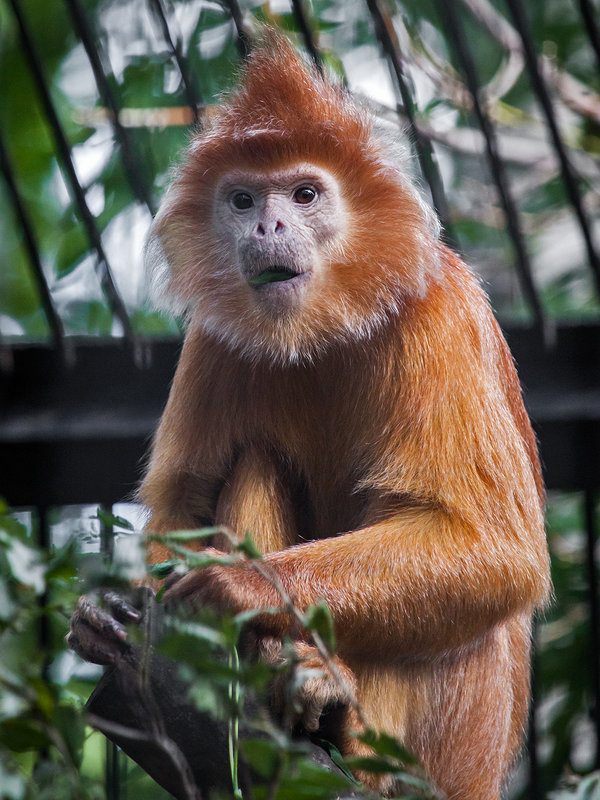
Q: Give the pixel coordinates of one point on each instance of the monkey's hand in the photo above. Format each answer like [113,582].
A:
[228,589]
[314,685]
[98,634]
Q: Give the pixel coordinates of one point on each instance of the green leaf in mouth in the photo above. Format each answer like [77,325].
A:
[272,276]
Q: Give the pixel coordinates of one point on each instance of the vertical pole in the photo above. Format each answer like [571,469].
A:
[532,738]
[112,776]
[592,576]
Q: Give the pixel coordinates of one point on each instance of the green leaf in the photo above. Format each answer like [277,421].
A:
[385,745]
[205,698]
[26,563]
[45,696]
[262,755]
[164,568]
[309,781]
[69,722]
[271,276]
[185,536]
[337,758]
[198,631]
[74,245]
[318,618]
[247,616]
[62,564]
[379,766]
[21,734]
[248,548]
[110,520]
[12,526]
[195,559]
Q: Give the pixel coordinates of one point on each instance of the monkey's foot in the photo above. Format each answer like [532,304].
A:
[316,684]
[99,635]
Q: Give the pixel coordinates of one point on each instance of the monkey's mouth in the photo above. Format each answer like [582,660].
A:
[276,274]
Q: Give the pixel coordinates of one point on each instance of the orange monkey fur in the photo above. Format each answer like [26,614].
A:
[374,442]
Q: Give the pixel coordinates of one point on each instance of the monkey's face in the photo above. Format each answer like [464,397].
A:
[280,262]
[279,229]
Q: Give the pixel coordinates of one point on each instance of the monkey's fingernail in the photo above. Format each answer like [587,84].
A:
[118,631]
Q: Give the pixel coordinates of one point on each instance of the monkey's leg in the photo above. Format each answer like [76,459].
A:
[256,498]
[462,714]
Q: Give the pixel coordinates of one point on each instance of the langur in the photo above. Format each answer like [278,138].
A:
[345,394]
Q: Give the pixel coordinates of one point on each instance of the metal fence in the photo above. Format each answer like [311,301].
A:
[76,414]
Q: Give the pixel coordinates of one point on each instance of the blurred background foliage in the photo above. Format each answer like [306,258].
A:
[37,716]
[144,77]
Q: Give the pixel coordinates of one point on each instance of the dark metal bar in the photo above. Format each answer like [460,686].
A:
[112,777]
[307,34]
[569,175]
[425,152]
[72,436]
[192,94]
[112,783]
[448,14]
[594,606]
[534,788]
[65,159]
[131,162]
[44,627]
[589,14]
[107,536]
[54,320]
[244,44]
[42,530]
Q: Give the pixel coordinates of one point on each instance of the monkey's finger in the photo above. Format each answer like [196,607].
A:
[174,577]
[120,608]
[93,648]
[311,717]
[90,614]
[185,587]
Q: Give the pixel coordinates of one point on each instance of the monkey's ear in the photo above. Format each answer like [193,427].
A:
[158,271]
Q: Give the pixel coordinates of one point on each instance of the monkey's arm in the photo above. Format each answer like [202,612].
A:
[419,582]
[190,454]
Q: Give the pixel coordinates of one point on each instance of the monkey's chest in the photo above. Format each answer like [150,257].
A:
[317,477]
[312,428]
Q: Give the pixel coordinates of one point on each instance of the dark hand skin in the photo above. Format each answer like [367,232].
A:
[97,633]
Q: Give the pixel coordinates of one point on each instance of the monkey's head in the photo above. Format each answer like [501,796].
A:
[292,223]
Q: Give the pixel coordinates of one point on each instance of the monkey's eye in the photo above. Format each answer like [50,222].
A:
[242,201]
[305,195]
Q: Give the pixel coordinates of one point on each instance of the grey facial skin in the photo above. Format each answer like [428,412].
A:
[278,227]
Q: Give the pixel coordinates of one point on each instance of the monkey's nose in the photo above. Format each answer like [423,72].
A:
[269,227]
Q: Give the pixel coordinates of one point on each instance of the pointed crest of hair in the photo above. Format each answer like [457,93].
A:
[282,108]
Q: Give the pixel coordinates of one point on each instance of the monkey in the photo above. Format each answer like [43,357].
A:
[345,394]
